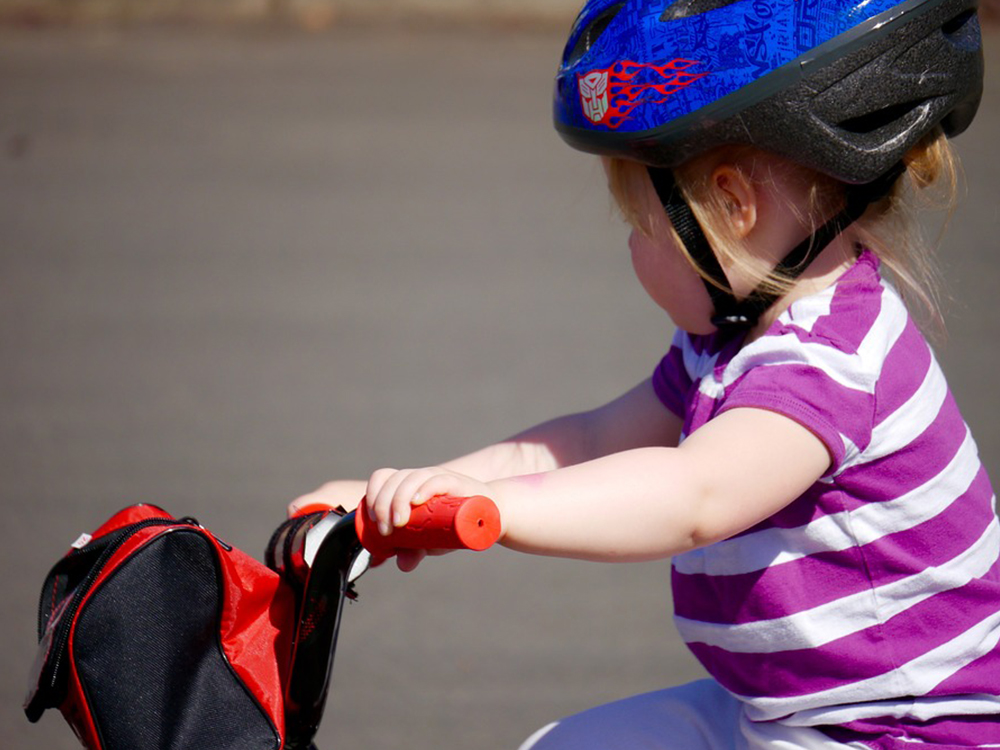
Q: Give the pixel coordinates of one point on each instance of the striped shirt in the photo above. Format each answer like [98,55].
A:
[870,606]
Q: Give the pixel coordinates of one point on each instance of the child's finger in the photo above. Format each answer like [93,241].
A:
[376,482]
[408,493]
[444,484]
[381,490]
[409,559]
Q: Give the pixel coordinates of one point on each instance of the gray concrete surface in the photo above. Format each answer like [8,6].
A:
[233,266]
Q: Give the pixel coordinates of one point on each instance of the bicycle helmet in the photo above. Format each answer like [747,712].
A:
[845,87]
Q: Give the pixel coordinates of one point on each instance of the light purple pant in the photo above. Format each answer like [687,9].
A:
[697,716]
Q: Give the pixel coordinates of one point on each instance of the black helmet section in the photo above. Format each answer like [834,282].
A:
[855,117]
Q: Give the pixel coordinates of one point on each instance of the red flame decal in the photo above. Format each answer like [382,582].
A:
[622,95]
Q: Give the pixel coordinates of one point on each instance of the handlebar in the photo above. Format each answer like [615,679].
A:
[320,552]
[471,523]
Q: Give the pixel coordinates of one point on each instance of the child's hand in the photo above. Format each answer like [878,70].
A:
[346,493]
[391,493]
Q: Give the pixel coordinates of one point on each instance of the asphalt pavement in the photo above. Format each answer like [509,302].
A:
[235,264]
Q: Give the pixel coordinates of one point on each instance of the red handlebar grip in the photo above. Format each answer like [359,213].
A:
[440,523]
[305,510]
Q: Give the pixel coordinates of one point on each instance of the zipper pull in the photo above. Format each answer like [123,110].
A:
[194,522]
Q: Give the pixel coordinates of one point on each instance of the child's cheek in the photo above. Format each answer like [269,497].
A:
[672,284]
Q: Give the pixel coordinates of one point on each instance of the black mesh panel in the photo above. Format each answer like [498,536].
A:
[153,670]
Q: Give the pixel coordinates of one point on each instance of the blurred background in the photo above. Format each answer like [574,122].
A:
[247,247]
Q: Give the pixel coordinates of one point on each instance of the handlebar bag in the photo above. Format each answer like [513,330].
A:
[156,635]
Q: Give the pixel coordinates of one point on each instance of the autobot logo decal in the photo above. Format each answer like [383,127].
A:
[610,95]
[594,94]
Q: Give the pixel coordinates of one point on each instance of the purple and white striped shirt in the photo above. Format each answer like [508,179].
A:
[870,606]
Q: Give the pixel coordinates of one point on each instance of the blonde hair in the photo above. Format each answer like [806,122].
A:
[889,227]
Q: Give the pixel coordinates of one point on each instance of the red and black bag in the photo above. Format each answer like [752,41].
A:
[154,633]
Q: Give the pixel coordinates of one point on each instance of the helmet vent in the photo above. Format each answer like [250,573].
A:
[872,121]
[960,32]
[687,8]
[593,31]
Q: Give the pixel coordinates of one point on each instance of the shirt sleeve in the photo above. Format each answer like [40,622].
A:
[821,388]
[671,380]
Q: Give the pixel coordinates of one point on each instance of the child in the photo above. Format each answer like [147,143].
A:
[797,451]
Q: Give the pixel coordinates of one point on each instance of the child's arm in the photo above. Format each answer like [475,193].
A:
[633,420]
[642,503]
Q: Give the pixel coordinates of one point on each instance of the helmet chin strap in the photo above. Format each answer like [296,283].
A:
[735,314]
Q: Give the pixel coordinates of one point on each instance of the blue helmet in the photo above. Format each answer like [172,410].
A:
[843,86]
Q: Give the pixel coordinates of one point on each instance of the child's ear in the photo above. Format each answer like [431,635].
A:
[738,195]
